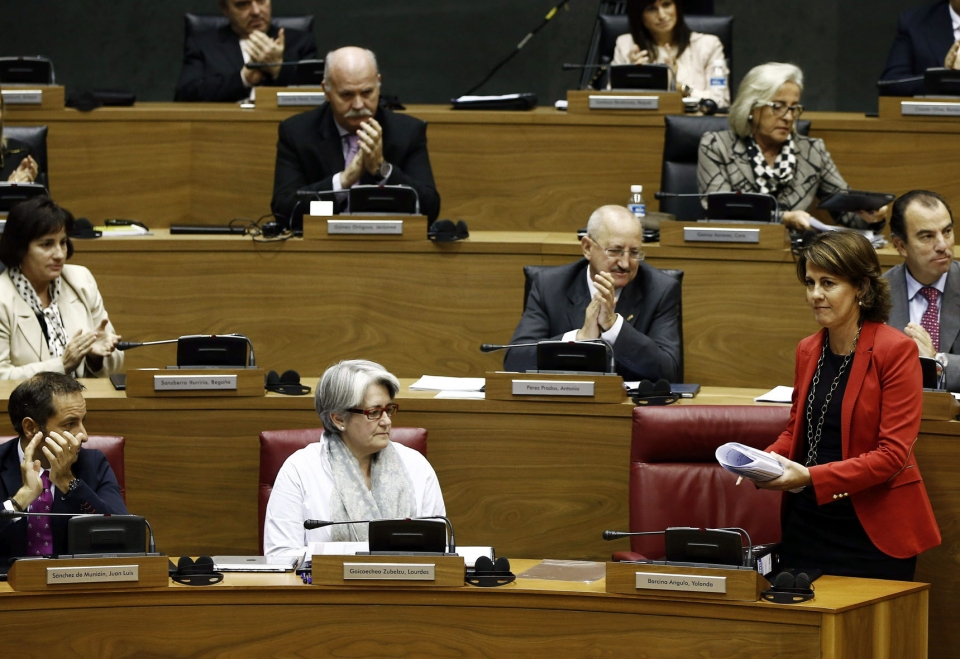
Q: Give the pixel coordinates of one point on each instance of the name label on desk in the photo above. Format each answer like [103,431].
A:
[551,388]
[94,574]
[929,109]
[693,583]
[194,382]
[698,235]
[610,102]
[290,99]
[23,96]
[366,227]
[390,571]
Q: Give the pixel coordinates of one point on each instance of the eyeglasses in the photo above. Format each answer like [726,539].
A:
[617,253]
[374,413]
[780,109]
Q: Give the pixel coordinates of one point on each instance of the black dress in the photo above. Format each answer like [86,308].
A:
[11,156]
[830,537]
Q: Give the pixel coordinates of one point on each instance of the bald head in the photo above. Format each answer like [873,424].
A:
[351,82]
[614,229]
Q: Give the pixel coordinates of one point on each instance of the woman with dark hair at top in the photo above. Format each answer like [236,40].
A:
[854,501]
[51,314]
[659,35]
[16,163]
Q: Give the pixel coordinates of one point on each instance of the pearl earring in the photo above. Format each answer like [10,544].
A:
[751,118]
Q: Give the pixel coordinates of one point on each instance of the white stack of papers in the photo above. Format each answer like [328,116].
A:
[779,394]
[471,388]
[748,462]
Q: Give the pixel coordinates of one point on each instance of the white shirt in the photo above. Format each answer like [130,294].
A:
[8,505]
[955,22]
[303,489]
[611,334]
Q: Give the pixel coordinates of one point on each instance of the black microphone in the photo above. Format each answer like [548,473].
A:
[14,514]
[270,65]
[310,524]
[493,347]
[572,67]
[616,535]
[127,345]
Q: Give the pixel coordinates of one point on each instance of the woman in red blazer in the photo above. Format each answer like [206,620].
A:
[855,502]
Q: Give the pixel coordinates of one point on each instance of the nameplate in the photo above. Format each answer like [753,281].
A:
[93,574]
[698,235]
[929,109]
[23,96]
[366,227]
[390,571]
[292,99]
[194,382]
[611,102]
[691,583]
[551,388]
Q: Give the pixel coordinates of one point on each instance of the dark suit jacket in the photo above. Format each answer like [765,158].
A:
[212,61]
[924,35]
[12,156]
[98,493]
[949,316]
[310,153]
[648,346]
[880,419]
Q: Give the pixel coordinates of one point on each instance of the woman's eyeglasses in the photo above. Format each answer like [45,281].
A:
[374,413]
[780,109]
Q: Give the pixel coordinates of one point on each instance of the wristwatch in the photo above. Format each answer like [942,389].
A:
[385,169]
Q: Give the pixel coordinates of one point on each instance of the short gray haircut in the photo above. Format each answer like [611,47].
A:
[759,86]
[330,60]
[599,217]
[344,385]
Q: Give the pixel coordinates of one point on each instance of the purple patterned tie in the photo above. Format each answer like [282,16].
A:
[931,317]
[39,535]
[353,145]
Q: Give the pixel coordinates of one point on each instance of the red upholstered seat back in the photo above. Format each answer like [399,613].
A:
[675,479]
[278,445]
[112,448]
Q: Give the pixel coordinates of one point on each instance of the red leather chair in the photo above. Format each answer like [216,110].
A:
[675,479]
[278,445]
[112,448]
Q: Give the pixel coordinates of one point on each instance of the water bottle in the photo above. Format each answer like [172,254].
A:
[718,79]
[636,205]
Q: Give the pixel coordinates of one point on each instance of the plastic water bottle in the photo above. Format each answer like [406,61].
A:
[636,205]
[718,78]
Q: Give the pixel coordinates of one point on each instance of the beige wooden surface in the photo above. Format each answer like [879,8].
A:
[277,615]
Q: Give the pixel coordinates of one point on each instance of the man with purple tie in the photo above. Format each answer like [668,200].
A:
[926,286]
[46,469]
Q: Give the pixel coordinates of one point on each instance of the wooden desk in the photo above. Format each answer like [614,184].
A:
[422,307]
[545,170]
[277,615]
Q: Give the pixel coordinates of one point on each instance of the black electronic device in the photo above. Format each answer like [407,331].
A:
[651,77]
[387,199]
[309,73]
[203,229]
[851,201]
[202,350]
[941,82]
[26,71]
[932,372]
[12,194]
[741,207]
[393,536]
[106,534]
[712,546]
[573,357]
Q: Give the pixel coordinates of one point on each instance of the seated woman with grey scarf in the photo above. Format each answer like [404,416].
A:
[354,471]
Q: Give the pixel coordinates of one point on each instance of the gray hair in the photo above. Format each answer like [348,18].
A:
[345,384]
[759,86]
[330,61]
[600,216]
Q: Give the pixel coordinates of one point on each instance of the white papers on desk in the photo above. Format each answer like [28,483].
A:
[470,554]
[462,395]
[494,97]
[779,394]
[441,383]
[876,239]
[748,462]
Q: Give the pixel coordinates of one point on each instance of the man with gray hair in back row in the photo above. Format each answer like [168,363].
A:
[350,140]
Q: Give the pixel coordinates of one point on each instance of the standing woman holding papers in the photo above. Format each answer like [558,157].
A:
[354,472]
[854,501]
[659,35]
[51,314]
